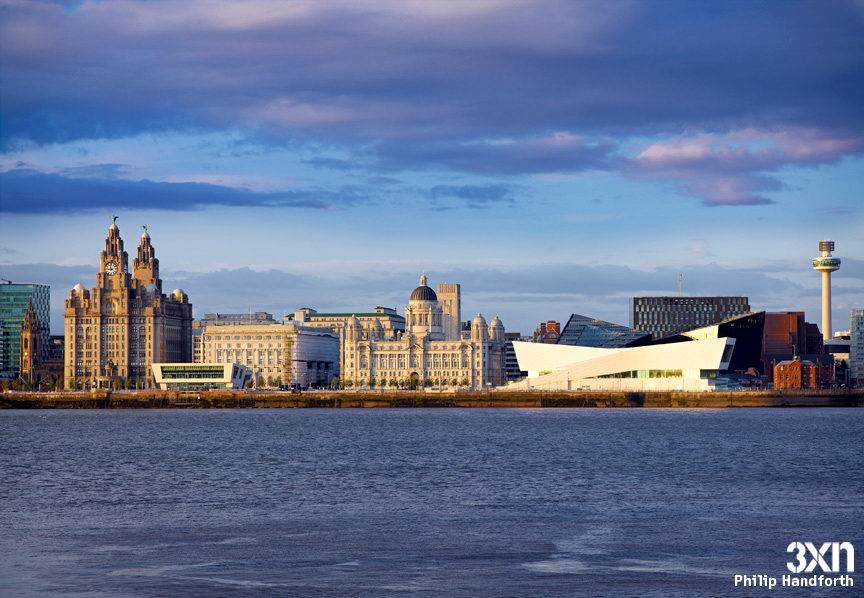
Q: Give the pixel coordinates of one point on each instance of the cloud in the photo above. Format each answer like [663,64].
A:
[733,168]
[421,73]
[28,191]
[331,163]
[474,196]
[555,152]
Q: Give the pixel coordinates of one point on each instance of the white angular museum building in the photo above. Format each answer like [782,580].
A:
[691,366]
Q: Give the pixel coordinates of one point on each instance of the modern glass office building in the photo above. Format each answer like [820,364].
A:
[15,299]
[664,316]
[856,346]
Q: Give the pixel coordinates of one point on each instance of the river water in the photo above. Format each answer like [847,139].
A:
[453,502]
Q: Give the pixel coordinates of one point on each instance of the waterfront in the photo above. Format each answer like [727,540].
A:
[434,502]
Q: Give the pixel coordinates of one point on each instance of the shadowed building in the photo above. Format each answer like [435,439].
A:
[20,305]
[664,316]
[511,363]
[747,330]
[856,346]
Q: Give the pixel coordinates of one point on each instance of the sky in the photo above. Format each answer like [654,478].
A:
[552,157]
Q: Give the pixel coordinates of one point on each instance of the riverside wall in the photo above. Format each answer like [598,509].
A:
[224,399]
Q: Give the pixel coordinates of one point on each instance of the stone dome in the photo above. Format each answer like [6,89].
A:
[423,292]
[179,295]
[78,288]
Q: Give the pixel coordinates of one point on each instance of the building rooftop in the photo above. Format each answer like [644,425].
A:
[585,331]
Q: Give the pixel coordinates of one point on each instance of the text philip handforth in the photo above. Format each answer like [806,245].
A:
[794,581]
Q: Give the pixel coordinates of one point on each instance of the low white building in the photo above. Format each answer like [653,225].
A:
[200,376]
[691,366]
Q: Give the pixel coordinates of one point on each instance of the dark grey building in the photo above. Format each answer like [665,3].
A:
[511,364]
[582,331]
[664,316]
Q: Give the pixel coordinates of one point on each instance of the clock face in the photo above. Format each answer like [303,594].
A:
[111,268]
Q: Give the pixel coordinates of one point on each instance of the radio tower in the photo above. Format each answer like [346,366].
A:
[826,264]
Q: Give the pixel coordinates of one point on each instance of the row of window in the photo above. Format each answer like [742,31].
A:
[645,374]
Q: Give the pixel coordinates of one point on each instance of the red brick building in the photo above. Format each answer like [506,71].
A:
[795,374]
[547,332]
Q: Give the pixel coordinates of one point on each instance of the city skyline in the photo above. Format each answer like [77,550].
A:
[325,155]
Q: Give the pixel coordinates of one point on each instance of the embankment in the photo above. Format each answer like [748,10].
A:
[223,399]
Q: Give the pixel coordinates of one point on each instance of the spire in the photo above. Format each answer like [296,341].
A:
[145,265]
[113,258]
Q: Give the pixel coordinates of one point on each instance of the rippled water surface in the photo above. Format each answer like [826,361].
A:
[422,502]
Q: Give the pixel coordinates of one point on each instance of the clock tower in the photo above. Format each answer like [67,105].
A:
[115,330]
[113,261]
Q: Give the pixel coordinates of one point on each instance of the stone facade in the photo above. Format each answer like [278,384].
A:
[431,351]
[115,330]
[41,355]
[385,319]
[276,354]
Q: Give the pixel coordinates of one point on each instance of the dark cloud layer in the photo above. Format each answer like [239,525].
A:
[27,191]
[496,88]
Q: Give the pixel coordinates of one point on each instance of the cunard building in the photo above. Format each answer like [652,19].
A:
[115,330]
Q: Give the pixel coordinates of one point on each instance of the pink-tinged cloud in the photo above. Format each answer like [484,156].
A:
[737,168]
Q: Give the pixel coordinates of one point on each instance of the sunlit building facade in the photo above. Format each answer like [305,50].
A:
[116,330]
[275,354]
[689,366]
[431,352]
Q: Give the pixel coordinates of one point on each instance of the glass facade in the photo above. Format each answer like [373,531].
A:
[856,346]
[177,372]
[665,316]
[645,374]
[14,300]
[582,331]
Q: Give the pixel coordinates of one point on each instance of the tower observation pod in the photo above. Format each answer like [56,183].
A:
[826,264]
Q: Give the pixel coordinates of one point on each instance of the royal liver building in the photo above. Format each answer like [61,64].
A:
[125,323]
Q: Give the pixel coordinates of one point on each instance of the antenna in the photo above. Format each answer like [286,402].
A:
[680,283]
